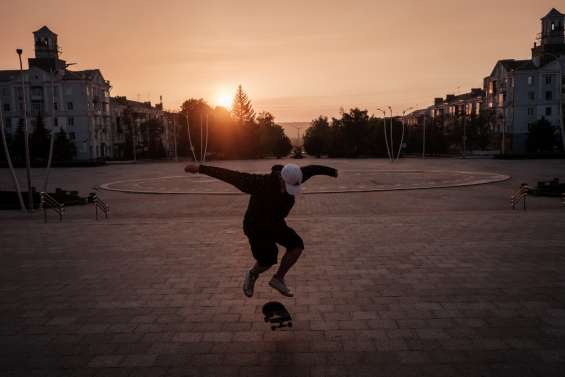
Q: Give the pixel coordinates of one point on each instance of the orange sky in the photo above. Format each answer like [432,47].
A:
[296,59]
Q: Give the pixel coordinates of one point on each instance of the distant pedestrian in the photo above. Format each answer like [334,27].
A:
[272,198]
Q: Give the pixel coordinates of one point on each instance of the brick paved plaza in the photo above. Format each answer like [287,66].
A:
[435,282]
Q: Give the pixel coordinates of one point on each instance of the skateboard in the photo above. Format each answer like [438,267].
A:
[276,313]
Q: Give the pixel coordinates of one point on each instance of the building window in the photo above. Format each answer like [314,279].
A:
[36,107]
[548,79]
[530,111]
[492,87]
[8,122]
[548,95]
[6,92]
[548,111]
[70,121]
[531,96]
[55,105]
[530,80]
[69,105]
[6,107]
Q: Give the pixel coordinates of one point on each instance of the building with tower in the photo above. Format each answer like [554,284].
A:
[517,93]
[76,101]
[521,92]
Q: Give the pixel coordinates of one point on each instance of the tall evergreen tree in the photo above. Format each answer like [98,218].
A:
[39,140]
[542,136]
[18,144]
[63,149]
[317,137]
[242,110]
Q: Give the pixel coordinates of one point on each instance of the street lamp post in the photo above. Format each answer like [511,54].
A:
[464,135]
[298,133]
[391,139]
[386,137]
[424,138]
[134,139]
[403,128]
[26,138]
[175,137]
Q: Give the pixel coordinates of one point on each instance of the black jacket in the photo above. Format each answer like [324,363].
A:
[269,204]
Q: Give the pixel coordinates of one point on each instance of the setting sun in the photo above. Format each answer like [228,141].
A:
[224,100]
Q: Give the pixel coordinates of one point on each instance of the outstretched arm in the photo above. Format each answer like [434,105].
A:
[248,183]
[312,170]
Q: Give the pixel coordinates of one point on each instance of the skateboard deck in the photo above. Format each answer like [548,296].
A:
[277,315]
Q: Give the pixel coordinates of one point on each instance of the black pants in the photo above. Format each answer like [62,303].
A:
[264,239]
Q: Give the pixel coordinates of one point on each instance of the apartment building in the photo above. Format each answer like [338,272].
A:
[76,101]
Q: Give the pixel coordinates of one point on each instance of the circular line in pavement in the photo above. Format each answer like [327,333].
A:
[466,179]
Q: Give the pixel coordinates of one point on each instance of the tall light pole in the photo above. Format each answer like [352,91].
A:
[424,137]
[403,128]
[298,133]
[175,136]
[464,133]
[26,139]
[386,137]
[134,138]
[391,139]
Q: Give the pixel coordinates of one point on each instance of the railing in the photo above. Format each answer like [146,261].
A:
[521,194]
[99,204]
[47,202]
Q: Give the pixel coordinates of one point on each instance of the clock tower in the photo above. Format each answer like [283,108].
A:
[46,51]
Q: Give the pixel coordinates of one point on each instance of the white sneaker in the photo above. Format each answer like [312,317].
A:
[249,283]
[280,286]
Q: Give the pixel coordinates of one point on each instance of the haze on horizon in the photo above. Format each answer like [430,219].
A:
[295,59]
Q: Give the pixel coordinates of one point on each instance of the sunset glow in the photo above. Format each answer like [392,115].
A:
[224,100]
[311,59]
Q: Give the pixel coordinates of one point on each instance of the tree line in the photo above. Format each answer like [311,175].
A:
[39,143]
[358,134]
[220,133]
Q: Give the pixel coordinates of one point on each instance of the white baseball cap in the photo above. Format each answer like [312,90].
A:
[292,177]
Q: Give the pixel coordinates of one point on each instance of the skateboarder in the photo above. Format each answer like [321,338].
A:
[272,198]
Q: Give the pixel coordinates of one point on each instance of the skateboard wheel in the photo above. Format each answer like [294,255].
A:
[273,328]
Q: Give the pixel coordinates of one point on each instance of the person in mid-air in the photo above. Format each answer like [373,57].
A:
[272,198]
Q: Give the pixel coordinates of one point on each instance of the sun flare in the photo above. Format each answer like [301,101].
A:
[224,100]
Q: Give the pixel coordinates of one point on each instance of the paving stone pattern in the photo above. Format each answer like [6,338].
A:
[447,282]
